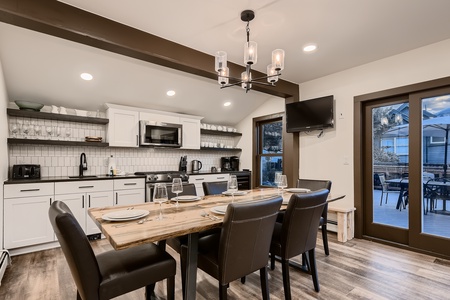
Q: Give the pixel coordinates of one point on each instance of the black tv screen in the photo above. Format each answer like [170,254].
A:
[310,114]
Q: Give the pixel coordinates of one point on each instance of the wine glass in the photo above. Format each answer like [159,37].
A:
[177,187]
[277,180]
[283,183]
[49,131]
[160,196]
[57,131]
[25,130]
[232,185]
[68,133]
[37,131]
[14,130]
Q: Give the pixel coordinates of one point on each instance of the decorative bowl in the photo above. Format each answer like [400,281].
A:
[26,105]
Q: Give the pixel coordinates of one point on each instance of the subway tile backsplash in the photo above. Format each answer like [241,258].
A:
[64,161]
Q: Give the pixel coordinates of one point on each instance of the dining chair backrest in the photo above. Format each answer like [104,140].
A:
[188,189]
[246,236]
[77,250]
[314,184]
[300,223]
[214,188]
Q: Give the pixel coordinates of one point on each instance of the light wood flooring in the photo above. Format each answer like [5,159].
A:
[358,269]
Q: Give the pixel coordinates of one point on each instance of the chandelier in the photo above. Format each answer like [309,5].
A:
[250,58]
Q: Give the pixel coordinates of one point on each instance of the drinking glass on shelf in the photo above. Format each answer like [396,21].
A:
[160,196]
[57,131]
[25,130]
[283,183]
[68,133]
[232,185]
[177,187]
[37,131]
[14,130]
[49,131]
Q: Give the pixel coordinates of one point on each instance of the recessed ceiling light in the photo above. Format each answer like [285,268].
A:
[310,48]
[227,104]
[86,76]
[170,93]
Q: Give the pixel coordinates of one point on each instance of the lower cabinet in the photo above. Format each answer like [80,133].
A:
[82,195]
[199,179]
[25,211]
[129,191]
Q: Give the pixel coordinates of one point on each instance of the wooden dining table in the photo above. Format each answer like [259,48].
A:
[189,218]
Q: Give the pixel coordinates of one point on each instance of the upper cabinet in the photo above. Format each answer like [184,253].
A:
[158,117]
[123,128]
[191,133]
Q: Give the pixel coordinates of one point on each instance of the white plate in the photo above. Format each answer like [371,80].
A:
[298,190]
[107,218]
[126,214]
[186,198]
[221,210]
[238,193]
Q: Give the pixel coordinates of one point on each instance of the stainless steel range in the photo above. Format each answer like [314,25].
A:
[160,176]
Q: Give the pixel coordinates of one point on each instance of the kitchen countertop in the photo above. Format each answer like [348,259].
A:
[221,172]
[66,178]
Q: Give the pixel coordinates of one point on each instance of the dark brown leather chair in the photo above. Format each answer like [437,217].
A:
[242,246]
[188,189]
[113,273]
[214,188]
[315,185]
[298,234]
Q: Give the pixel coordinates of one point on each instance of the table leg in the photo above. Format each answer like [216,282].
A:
[190,291]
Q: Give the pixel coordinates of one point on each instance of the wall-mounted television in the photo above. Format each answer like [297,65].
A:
[310,114]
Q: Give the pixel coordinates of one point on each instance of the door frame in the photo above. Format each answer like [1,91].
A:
[420,241]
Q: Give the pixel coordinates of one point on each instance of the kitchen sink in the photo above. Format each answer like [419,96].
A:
[84,176]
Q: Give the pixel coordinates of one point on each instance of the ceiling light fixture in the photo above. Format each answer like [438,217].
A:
[227,104]
[86,76]
[250,58]
[310,48]
[170,93]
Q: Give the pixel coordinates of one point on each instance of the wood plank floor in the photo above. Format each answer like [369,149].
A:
[358,269]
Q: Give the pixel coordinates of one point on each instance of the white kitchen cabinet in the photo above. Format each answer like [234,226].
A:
[191,133]
[159,117]
[199,179]
[26,219]
[129,191]
[123,127]
[82,195]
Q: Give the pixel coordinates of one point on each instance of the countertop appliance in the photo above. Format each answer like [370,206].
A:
[234,163]
[160,134]
[225,163]
[196,165]
[160,176]
[26,172]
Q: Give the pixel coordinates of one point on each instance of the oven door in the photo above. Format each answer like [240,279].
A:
[159,134]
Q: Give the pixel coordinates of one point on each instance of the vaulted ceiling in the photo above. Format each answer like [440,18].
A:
[348,33]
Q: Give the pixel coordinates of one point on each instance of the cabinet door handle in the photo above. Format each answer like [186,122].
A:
[89,199]
[137,140]
[86,187]
[199,178]
[50,201]
[220,177]
[30,190]
[131,183]
[82,201]
[117,198]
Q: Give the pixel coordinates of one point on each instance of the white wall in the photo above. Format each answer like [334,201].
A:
[325,157]
[3,147]
[271,106]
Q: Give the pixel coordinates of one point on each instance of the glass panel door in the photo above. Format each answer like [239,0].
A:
[435,160]
[270,151]
[390,130]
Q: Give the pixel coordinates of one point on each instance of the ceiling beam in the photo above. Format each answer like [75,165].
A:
[68,22]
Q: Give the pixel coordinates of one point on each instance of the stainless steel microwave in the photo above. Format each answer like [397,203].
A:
[160,134]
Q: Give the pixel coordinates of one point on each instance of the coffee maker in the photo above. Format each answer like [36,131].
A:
[234,163]
[225,163]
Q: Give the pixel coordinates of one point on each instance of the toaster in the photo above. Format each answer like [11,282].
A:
[26,172]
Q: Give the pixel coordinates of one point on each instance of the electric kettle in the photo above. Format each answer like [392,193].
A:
[196,165]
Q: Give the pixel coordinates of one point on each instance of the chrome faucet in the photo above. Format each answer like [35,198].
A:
[83,164]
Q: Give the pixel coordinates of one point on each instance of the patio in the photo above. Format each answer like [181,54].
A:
[433,223]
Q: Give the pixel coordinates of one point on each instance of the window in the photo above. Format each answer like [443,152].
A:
[269,149]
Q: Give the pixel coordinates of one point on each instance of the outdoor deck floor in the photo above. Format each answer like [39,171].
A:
[433,223]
